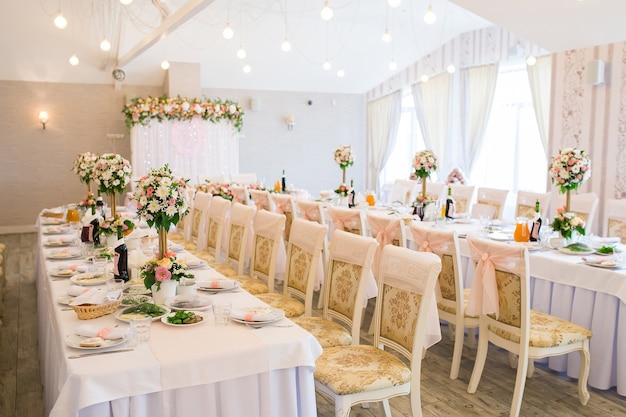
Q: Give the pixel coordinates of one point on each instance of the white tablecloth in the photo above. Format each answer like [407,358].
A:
[223,371]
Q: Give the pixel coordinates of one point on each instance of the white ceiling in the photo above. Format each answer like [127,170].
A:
[34,50]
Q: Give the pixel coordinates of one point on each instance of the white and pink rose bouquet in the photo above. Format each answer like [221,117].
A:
[156,271]
[83,166]
[566,223]
[111,173]
[424,163]
[344,156]
[570,169]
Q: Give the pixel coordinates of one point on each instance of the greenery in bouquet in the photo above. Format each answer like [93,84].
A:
[111,173]
[344,156]
[156,271]
[566,223]
[424,163]
[84,165]
[142,110]
[117,227]
[161,198]
[88,203]
[216,189]
[570,168]
[343,190]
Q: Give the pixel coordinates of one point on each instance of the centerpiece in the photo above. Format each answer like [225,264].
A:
[162,275]
[569,169]
[424,164]
[111,173]
[216,189]
[344,158]
[83,167]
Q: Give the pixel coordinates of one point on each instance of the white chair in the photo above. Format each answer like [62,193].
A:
[583,205]
[349,265]
[239,232]
[387,230]
[216,224]
[240,193]
[501,296]
[303,255]
[451,306]
[436,189]
[285,204]
[245,178]
[463,197]
[403,191]
[262,200]
[407,282]
[482,210]
[346,219]
[525,204]
[493,197]
[199,215]
[615,219]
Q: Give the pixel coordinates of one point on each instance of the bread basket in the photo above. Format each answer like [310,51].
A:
[92,311]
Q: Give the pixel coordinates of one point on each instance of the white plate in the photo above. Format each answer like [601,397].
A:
[579,253]
[57,243]
[138,298]
[64,299]
[191,303]
[164,320]
[65,272]
[278,315]
[63,255]
[501,237]
[195,264]
[73,340]
[464,220]
[533,246]
[87,279]
[609,266]
[56,230]
[216,290]
[136,289]
[53,222]
[127,319]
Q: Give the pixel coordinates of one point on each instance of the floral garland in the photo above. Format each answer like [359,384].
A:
[216,189]
[84,165]
[457,176]
[566,223]
[156,271]
[161,198]
[344,156]
[424,163]
[111,173]
[143,110]
[117,227]
[570,168]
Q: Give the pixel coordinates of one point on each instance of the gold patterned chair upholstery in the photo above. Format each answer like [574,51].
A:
[198,218]
[525,204]
[356,374]
[285,204]
[303,255]
[451,306]
[214,230]
[500,295]
[346,219]
[492,197]
[615,219]
[463,197]
[268,231]
[349,263]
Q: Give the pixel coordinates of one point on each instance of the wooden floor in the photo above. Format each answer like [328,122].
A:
[546,394]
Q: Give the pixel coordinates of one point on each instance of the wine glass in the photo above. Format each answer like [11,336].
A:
[485,220]
[544,235]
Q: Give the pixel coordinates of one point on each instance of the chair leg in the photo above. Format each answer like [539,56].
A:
[531,368]
[458,351]
[481,357]
[513,360]
[451,330]
[520,382]
[583,393]
[386,407]
[320,300]
[471,337]
[342,407]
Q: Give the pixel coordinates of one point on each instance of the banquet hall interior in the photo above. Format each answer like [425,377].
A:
[494,89]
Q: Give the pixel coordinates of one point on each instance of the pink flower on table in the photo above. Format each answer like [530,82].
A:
[162,274]
[560,210]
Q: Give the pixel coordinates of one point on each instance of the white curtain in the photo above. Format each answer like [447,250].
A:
[539,77]
[432,104]
[191,148]
[383,118]
[478,85]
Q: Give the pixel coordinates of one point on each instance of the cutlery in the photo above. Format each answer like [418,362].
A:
[260,326]
[83,355]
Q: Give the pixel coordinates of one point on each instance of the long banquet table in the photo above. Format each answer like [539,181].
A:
[229,371]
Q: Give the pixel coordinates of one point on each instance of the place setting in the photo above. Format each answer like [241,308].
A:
[64,254]
[219,285]
[259,316]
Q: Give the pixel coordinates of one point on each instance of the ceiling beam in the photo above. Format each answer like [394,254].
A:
[169,25]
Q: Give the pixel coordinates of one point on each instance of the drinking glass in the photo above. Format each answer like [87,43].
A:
[485,221]
[544,235]
[141,327]
[370,198]
[221,310]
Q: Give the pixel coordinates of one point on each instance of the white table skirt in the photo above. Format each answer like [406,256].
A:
[199,368]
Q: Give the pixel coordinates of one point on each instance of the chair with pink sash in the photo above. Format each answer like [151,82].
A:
[285,204]
[451,297]
[262,200]
[216,225]
[500,295]
[387,230]
[347,219]
[240,193]
[199,215]
[239,229]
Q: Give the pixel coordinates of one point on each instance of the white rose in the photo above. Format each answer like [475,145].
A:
[232,108]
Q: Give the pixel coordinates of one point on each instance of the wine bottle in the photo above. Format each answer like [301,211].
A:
[351,195]
[283,183]
[120,261]
[450,206]
[534,231]
[100,206]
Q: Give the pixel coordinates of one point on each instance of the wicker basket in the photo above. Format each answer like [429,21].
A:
[88,312]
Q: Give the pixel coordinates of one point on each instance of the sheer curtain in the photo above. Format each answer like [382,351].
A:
[189,147]
[479,84]
[432,104]
[383,118]
[539,77]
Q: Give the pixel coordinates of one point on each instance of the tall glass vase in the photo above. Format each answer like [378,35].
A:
[162,242]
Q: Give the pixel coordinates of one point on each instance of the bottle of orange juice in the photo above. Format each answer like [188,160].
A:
[521,234]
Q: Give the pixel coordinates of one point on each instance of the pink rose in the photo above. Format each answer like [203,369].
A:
[172,201]
[149,191]
[162,274]
[560,210]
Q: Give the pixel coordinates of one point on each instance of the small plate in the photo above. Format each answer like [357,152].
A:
[51,221]
[579,253]
[216,290]
[57,243]
[611,265]
[73,340]
[164,321]
[277,313]
[56,230]
[193,303]
[65,272]
[61,255]
[90,278]
[501,237]
[126,317]
[64,299]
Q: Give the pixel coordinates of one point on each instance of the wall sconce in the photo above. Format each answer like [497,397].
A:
[290,122]
[43,118]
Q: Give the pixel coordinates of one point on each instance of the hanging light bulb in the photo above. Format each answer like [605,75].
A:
[450,69]
[430,16]
[74,60]
[241,53]
[327,12]
[393,65]
[386,36]
[327,66]
[228,32]
[341,73]
[424,78]
[285,46]
[126,2]
[247,69]
[165,64]
[394,3]
[60,21]
[531,60]
[105,45]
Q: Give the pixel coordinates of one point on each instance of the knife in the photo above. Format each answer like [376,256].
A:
[82,355]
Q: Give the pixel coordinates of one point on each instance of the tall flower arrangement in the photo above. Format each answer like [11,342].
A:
[111,174]
[83,167]
[162,200]
[424,164]
[344,157]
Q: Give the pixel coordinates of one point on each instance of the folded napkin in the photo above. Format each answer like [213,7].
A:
[96,296]
[254,314]
[606,240]
[93,330]
[76,290]
[218,283]
[593,259]
[191,262]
